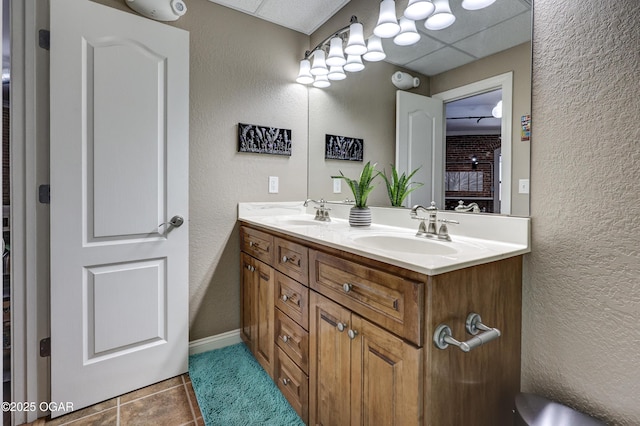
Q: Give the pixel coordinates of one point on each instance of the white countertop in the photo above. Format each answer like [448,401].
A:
[478,239]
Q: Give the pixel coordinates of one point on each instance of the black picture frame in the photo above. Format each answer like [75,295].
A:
[343,148]
[256,139]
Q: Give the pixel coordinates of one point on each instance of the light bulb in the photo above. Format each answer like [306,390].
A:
[419,9]
[319,65]
[354,63]
[304,75]
[336,57]
[408,33]
[476,4]
[387,25]
[442,16]
[375,52]
[336,73]
[355,45]
[321,82]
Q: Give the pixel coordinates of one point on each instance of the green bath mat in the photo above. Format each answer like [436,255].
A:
[233,390]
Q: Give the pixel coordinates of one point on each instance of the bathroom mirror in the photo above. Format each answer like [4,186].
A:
[480,45]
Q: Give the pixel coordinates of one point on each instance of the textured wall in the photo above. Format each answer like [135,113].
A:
[581,339]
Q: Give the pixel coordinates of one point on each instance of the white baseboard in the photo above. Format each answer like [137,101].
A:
[215,342]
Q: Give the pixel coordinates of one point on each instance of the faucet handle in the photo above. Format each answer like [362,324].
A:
[443,232]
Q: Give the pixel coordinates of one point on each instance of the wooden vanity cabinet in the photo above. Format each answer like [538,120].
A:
[351,339]
[258,310]
[360,374]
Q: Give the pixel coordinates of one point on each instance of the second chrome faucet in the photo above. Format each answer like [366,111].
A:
[428,229]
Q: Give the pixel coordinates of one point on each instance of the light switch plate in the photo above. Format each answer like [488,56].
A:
[273,184]
[523,186]
[337,186]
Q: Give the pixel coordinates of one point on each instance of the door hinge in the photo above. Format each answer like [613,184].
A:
[44,39]
[45,347]
[44,194]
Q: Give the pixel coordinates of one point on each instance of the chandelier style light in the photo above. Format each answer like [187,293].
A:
[344,50]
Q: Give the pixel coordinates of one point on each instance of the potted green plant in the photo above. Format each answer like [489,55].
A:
[360,214]
[399,186]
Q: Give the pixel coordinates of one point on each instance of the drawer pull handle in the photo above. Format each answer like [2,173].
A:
[286,381]
[285,338]
[341,326]
[291,259]
[347,287]
[352,334]
[442,337]
[284,298]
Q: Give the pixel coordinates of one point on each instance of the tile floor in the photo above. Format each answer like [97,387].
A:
[170,403]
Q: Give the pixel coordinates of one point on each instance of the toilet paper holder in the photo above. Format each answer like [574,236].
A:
[442,337]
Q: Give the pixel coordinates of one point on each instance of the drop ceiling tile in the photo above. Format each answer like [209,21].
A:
[440,61]
[400,55]
[469,22]
[247,6]
[506,34]
[302,16]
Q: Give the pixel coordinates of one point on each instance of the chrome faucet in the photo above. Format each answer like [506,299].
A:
[428,230]
[322,211]
[473,207]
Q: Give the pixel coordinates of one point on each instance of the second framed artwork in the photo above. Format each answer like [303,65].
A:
[343,148]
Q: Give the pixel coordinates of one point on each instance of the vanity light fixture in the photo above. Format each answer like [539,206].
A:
[333,66]
[329,55]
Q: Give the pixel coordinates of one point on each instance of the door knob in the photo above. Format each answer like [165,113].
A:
[176,221]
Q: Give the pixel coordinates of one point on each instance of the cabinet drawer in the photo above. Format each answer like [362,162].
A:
[294,384]
[292,298]
[388,300]
[292,259]
[257,243]
[292,339]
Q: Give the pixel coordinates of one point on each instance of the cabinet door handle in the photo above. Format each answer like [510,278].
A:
[286,381]
[250,268]
[347,287]
[284,297]
[341,326]
[352,334]
[285,338]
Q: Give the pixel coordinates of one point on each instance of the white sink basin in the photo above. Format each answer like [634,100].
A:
[295,221]
[405,244]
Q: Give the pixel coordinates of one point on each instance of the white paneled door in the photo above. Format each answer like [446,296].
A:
[420,144]
[119,175]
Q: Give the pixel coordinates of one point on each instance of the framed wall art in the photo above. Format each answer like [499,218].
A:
[343,148]
[263,140]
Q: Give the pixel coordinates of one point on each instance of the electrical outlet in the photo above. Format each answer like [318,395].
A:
[273,184]
[337,186]
[523,186]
